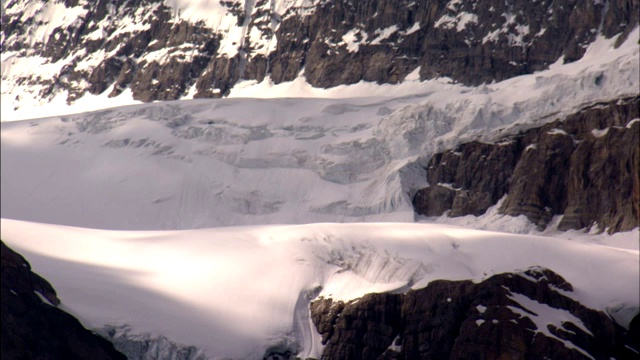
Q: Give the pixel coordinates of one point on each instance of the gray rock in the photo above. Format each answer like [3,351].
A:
[333,43]
[467,320]
[584,166]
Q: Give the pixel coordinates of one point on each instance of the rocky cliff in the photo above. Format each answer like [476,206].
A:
[161,50]
[33,327]
[585,166]
[525,315]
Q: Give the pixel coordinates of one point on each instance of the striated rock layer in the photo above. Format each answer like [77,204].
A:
[585,167]
[32,325]
[525,315]
[161,52]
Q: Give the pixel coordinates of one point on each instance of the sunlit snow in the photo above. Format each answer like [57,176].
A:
[234,292]
[350,154]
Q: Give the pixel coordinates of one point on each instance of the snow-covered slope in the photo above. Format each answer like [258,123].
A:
[68,51]
[234,292]
[347,154]
[204,163]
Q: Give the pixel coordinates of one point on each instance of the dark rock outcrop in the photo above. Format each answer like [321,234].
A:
[574,166]
[498,318]
[467,41]
[145,46]
[603,181]
[33,327]
[363,331]
[473,177]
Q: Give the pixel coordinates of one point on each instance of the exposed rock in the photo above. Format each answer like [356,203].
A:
[434,200]
[604,184]
[361,329]
[147,46]
[538,186]
[468,41]
[33,327]
[218,78]
[573,166]
[498,318]
[476,176]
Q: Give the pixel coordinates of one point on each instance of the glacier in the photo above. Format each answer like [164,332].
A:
[248,161]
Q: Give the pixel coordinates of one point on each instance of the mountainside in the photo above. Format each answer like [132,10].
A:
[283,291]
[224,162]
[372,124]
[579,166]
[166,50]
[522,315]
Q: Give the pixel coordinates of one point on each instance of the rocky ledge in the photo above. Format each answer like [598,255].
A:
[522,315]
[33,327]
[573,166]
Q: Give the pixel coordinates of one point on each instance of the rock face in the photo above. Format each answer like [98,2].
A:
[574,166]
[33,327]
[507,316]
[163,53]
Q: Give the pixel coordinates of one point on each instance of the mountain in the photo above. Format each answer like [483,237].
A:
[386,130]
[335,290]
[99,53]
[167,50]
[224,162]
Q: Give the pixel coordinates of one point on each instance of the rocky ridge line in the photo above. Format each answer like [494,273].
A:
[145,46]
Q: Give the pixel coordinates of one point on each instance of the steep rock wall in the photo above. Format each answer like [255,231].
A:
[151,49]
[462,319]
[585,166]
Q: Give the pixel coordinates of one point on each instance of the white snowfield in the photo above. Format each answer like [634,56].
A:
[247,161]
[351,154]
[234,292]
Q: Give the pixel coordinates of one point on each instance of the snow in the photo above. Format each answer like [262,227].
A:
[492,220]
[210,288]
[162,56]
[21,68]
[543,315]
[396,344]
[599,132]
[460,21]
[219,18]
[43,12]
[353,38]
[383,34]
[513,31]
[212,180]
[630,123]
[355,151]
[556,132]
[415,27]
